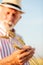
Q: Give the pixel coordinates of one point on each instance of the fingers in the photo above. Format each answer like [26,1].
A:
[25,48]
[28,47]
[24,54]
[25,59]
[27,53]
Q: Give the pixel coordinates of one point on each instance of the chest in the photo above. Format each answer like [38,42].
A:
[6,46]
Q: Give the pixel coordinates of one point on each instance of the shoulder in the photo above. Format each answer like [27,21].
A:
[20,39]
[18,36]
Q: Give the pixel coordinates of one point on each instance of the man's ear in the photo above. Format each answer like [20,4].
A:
[20,17]
[1,8]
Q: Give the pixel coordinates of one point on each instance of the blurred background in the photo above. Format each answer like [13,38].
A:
[30,27]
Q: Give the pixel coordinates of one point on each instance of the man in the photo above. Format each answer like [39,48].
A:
[12,48]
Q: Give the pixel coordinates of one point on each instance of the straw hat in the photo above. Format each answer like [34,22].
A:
[15,4]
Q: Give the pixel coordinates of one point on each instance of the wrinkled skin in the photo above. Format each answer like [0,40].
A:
[23,55]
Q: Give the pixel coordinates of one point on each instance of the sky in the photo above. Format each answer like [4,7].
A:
[30,27]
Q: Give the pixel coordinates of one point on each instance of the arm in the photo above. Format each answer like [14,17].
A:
[7,61]
[18,57]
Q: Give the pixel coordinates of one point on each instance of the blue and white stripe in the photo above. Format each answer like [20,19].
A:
[6,47]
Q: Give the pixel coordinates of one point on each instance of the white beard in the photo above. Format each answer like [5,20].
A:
[5,27]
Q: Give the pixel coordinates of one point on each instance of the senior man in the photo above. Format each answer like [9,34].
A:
[10,54]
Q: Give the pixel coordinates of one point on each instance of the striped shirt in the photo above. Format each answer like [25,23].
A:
[6,46]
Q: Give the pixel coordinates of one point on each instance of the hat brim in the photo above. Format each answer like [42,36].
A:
[6,5]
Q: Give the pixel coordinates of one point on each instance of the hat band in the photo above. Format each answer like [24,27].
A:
[12,5]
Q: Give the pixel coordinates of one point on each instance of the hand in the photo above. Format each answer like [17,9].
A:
[23,55]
